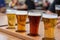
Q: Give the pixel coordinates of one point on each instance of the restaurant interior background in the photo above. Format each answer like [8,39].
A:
[39,2]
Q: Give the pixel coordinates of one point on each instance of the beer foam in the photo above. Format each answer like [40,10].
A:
[21,13]
[49,15]
[57,7]
[10,11]
[34,14]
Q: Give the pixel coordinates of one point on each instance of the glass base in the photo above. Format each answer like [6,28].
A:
[20,31]
[10,27]
[33,34]
[48,38]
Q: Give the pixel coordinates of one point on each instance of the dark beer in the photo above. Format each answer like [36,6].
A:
[34,19]
[49,26]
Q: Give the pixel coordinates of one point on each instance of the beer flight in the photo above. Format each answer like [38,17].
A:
[34,20]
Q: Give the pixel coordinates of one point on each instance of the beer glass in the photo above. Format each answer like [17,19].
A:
[21,21]
[49,25]
[57,8]
[11,16]
[34,19]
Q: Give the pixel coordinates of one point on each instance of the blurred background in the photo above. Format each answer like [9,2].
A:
[37,2]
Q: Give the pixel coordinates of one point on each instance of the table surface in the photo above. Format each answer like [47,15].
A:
[41,29]
[4,36]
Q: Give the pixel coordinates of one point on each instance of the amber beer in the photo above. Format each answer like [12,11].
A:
[11,16]
[34,19]
[21,21]
[57,8]
[49,26]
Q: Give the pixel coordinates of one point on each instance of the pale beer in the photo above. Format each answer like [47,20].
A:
[49,26]
[11,16]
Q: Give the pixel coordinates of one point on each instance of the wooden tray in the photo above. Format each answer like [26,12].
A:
[21,35]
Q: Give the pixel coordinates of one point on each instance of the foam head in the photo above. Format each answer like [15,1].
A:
[10,11]
[21,13]
[34,14]
[49,15]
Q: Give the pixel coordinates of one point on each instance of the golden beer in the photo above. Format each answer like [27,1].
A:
[49,26]
[21,21]
[11,16]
